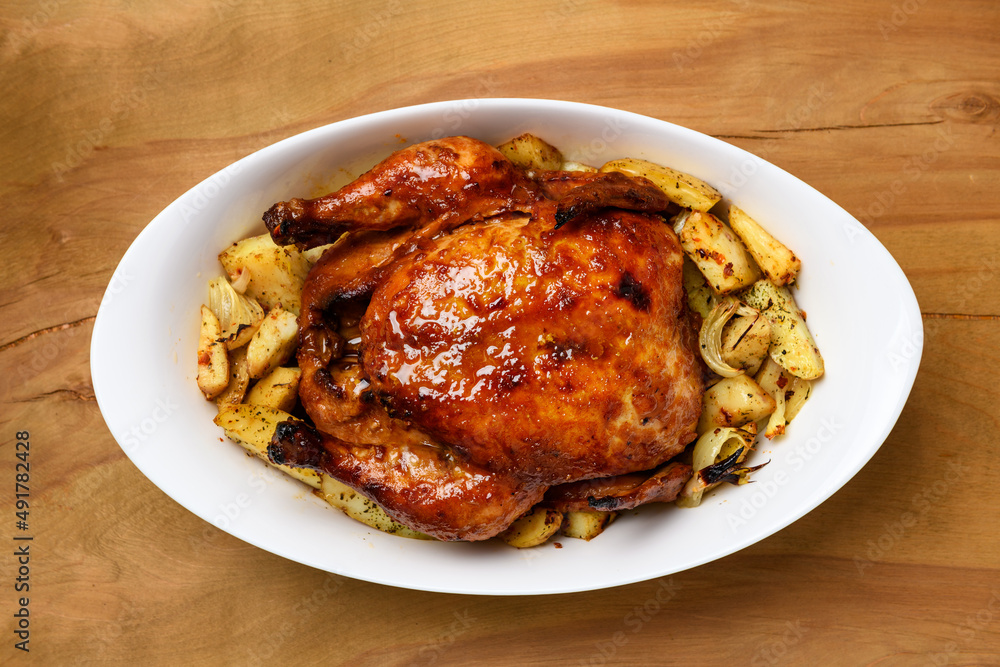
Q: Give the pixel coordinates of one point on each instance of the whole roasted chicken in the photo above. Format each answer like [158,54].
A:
[480,338]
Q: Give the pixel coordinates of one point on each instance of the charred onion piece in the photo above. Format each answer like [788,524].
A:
[710,336]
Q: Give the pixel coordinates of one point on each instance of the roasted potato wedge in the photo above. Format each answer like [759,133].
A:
[239,379]
[533,528]
[789,392]
[700,297]
[680,188]
[773,379]
[778,263]
[213,363]
[278,389]
[273,344]
[716,251]
[734,402]
[529,152]
[362,509]
[276,272]
[792,346]
[585,524]
[796,397]
[252,427]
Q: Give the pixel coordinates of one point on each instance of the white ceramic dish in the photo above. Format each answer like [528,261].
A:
[145,336]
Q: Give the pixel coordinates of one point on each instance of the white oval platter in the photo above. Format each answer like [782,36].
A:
[861,309]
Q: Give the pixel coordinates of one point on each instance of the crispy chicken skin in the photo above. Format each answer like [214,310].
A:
[451,180]
[482,334]
[551,352]
[429,488]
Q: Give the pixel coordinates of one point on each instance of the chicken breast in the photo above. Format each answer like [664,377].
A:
[555,353]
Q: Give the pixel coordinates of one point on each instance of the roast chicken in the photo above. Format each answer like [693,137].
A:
[480,339]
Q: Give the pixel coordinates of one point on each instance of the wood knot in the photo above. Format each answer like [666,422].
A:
[968,107]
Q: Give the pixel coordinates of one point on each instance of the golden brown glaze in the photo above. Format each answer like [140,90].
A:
[426,488]
[461,352]
[552,352]
[453,179]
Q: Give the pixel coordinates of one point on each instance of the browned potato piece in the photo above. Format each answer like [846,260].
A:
[213,363]
[278,389]
[276,272]
[773,379]
[799,394]
[585,524]
[680,188]
[700,297]
[716,251]
[533,528]
[734,402]
[239,379]
[792,345]
[273,344]
[789,392]
[362,509]
[529,152]
[778,263]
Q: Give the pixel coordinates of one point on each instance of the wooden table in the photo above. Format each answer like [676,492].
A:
[112,110]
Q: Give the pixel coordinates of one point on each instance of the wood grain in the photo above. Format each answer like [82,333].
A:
[113,109]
